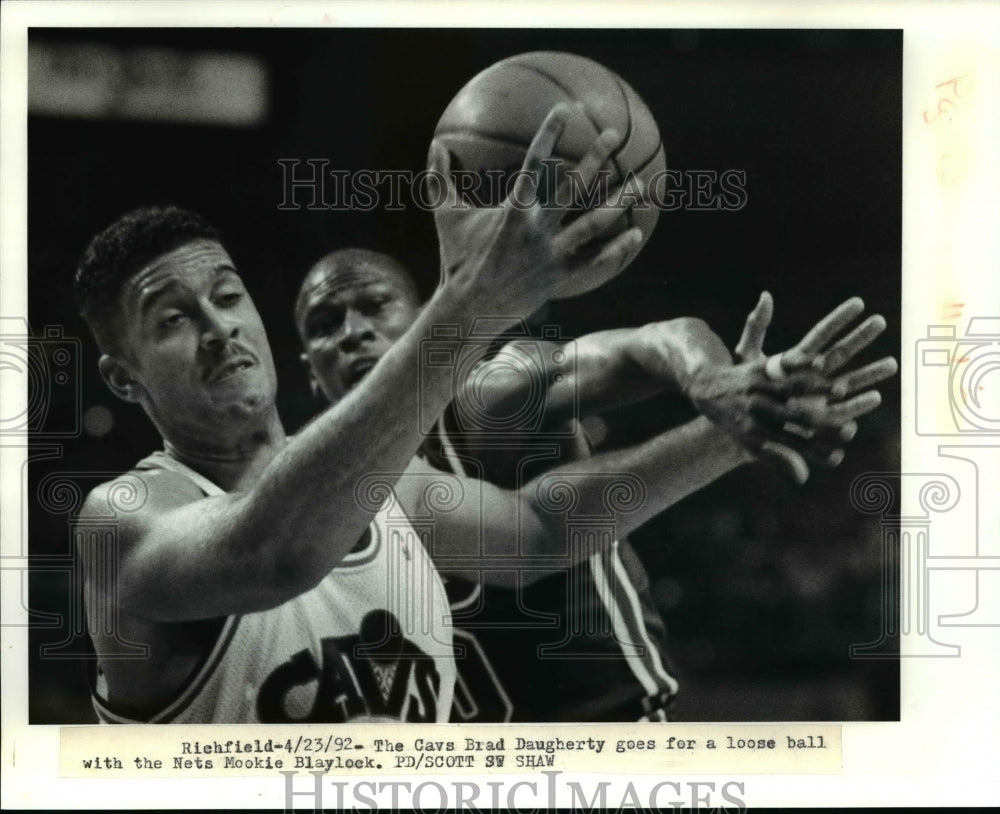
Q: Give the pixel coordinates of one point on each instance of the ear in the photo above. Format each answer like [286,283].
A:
[118,376]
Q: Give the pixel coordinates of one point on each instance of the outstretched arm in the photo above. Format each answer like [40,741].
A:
[510,536]
[749,413]
[609,368]
[598,371]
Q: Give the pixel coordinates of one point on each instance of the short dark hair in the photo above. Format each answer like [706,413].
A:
[345,258]
[122,249]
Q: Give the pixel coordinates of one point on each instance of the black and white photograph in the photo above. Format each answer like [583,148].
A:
[467,375]
[639,518]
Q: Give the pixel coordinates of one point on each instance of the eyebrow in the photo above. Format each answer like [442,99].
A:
[320,311]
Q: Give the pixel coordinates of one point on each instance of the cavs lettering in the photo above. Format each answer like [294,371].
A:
[378,674]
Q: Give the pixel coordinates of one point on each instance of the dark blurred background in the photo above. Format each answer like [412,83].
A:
[764,585]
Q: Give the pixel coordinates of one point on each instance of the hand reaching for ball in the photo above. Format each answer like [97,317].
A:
[498,112]
[797,406]
[521,254]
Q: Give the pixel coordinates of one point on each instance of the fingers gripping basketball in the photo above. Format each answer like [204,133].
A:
[490,123]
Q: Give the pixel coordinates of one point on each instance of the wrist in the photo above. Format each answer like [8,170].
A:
[654,354]
[678,352]
[477,290]
[721,443]
[464,302]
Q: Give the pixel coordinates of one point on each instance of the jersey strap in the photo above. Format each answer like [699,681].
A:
[163,460]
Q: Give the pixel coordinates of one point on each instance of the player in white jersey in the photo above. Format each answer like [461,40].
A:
[185,568]
[525,654]
[370,642]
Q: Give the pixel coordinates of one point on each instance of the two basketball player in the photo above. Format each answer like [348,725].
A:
[546,628]
[247,565]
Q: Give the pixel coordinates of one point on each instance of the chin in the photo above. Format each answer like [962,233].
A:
[249,404]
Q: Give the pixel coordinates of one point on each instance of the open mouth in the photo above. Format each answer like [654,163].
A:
[229,369]
[358,369]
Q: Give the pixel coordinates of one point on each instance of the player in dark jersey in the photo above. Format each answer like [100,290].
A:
[581,639]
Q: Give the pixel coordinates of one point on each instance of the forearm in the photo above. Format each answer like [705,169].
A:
[625,366]
[602,370]
[658,473]
[311,485]
[606,373]
[673,352]
[578,377]
[515,536]
[544,530]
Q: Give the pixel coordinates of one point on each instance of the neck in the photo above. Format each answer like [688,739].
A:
[230,461]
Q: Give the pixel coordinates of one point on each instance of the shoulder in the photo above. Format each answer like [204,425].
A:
[133,500]
[138,491]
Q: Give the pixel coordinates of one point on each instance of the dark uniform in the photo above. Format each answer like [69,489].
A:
[582,644]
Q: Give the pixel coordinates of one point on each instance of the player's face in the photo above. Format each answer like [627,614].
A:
[192,343]
[351,317]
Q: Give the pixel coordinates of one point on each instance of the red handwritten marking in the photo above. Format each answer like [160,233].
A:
[953,82]
[963,360]
[940,110]
[946,100]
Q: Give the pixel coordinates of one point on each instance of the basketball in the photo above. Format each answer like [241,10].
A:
[490,123]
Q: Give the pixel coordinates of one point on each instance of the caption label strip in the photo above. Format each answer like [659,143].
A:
[377,749]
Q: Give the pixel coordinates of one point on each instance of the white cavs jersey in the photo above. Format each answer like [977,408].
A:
[371,642]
